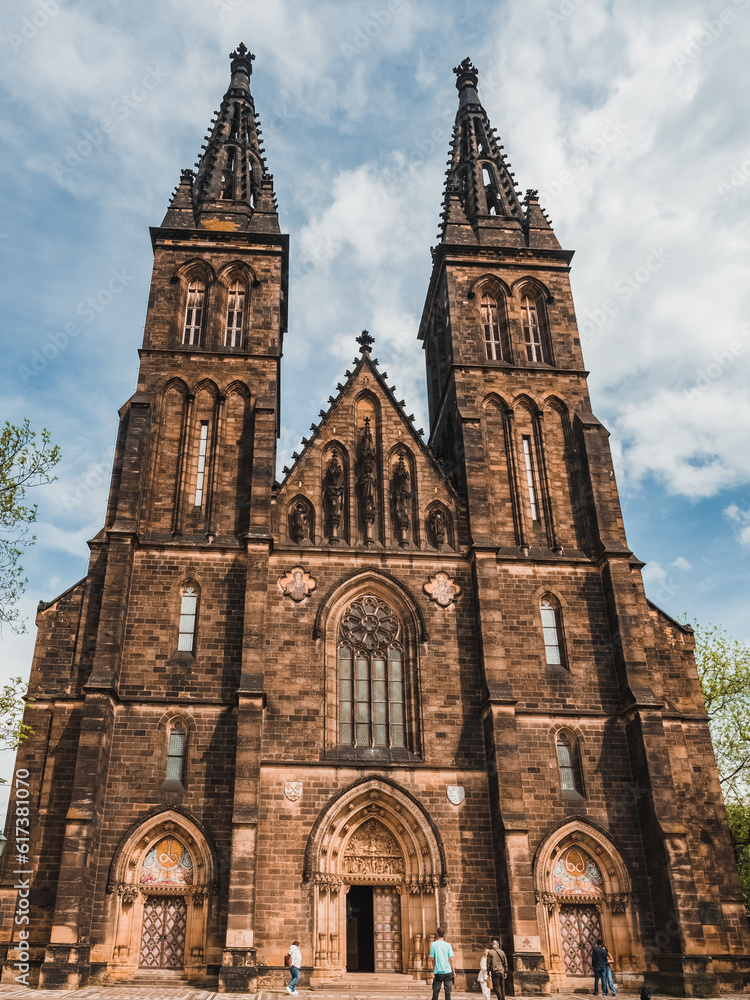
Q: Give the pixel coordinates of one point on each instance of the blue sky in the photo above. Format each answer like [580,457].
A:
[630,119]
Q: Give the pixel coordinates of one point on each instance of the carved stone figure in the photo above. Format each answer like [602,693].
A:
[442,589]
[438,526]
[297,584]
[401,498]
[368,482]
[300,522]
[333,493]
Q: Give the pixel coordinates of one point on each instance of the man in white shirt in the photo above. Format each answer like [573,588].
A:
[295,963]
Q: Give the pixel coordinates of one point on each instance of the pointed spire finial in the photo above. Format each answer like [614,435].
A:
[242,59]
[365,341]
[467,72]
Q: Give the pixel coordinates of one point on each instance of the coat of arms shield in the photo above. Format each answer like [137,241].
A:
[293,790]
[456,794]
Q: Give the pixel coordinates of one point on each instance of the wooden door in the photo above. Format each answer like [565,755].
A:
[386,905]
[580,929]
[163,935]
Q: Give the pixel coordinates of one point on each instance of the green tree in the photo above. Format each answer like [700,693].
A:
[25,462]
[724,668]
[12,729]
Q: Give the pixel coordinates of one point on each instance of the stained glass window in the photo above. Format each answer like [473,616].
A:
[371,681]
[551,627]
[235,314]
[532,331]
[188,614]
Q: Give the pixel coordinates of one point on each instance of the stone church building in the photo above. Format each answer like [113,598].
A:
[417,682]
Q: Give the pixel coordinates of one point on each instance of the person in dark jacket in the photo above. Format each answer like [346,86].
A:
[599,963]
[497,967]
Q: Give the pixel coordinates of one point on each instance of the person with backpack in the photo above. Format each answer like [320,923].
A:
[293,961]
[497,967]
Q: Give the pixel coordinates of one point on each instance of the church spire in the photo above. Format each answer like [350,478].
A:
[480,204]
[231,188]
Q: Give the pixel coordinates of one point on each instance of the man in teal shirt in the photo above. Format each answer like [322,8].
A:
[443,965]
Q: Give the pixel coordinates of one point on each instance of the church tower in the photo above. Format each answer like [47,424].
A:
[511,421]
[413,684]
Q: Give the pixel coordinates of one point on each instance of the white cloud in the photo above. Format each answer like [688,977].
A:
[681,563]
[740,521]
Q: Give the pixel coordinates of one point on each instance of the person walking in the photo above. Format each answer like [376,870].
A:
[295,964]
[599,964]
[610,977]
[484,977]
[497,966]
[443,965]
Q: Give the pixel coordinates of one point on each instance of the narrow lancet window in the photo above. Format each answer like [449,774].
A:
[569,763]
[201,470]
[490,322]
[529,467]
[191,333]
[227,177]
[553,650]
[235,316]
[531,330]
[188,615]
[176,753]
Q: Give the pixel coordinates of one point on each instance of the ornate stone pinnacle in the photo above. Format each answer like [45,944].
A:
[365,342]
[242,57]
[467,66]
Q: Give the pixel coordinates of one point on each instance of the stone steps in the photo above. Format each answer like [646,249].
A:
[394,984]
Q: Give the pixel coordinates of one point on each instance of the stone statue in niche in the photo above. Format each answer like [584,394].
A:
[438,526]
[401,498]
[333,493]
[368,482]
[300,522]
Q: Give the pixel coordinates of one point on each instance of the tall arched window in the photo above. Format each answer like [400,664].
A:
[569,762]
[371,676]
[176,752]
[235,315]
[551,626]
[191,333]
[532,330]
[491,322]
[188,618]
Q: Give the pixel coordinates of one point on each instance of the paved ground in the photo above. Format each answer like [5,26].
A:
[187,993]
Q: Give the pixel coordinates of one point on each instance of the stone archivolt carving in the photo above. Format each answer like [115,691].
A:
[442,589]
[373,851]
[333,495]
[297,584]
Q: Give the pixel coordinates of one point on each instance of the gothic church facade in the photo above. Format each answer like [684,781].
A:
[414,683]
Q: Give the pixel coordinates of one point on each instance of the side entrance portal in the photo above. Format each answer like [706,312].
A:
[580,929]
[163,935]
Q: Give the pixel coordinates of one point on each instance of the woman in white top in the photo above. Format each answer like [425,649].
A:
[482,977]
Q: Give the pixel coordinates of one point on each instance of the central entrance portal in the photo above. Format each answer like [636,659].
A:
[360,940]
[373,929]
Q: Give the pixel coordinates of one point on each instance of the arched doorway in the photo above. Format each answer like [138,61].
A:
[584,893]
[161,884]
[376,866]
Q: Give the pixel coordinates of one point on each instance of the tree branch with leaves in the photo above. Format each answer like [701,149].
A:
[25,462]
